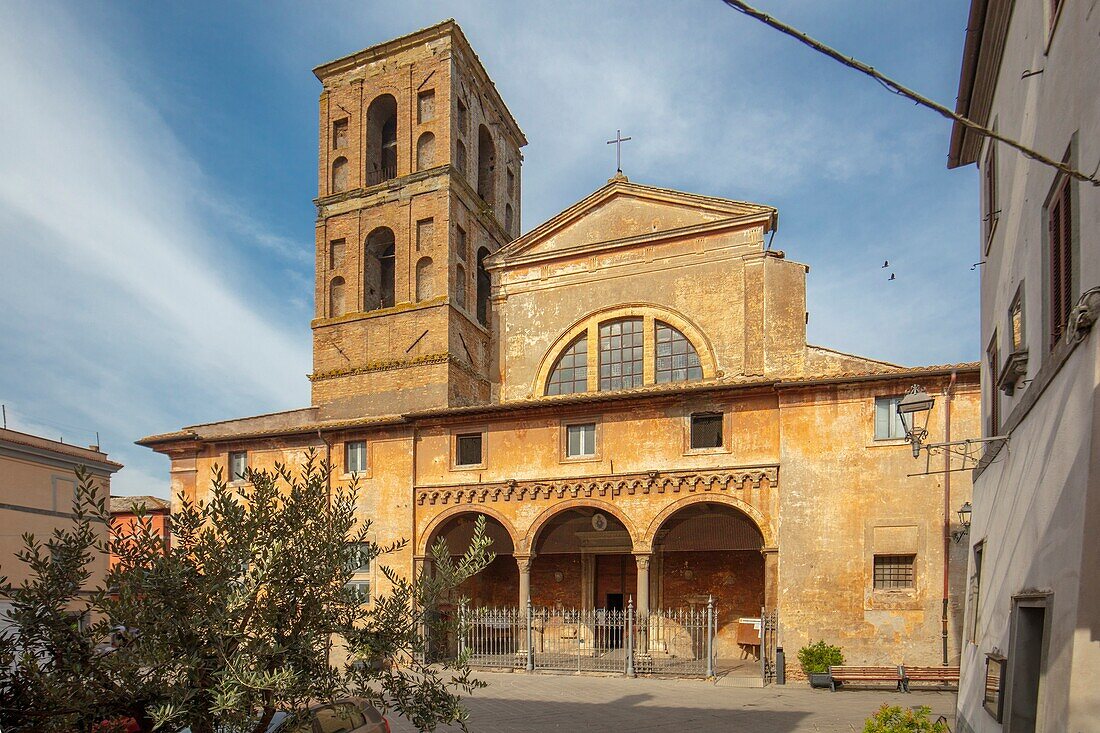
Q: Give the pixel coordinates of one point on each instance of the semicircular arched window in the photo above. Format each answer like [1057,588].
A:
[676,358]
[570,373]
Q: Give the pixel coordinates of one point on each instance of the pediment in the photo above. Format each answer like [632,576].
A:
[624,211]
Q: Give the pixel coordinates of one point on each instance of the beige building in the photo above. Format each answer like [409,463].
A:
[37,484]
[1031,661]
[625,391]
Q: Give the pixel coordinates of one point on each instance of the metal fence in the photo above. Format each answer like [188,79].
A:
[665,642]
[769,636]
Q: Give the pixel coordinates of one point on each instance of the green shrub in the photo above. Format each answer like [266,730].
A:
[895,719]
[816,658]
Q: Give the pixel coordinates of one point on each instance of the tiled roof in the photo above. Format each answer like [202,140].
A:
[128,504]
[248,428]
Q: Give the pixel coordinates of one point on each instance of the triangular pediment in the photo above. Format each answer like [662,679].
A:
[624,211]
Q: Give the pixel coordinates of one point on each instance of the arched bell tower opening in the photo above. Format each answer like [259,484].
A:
[381,159]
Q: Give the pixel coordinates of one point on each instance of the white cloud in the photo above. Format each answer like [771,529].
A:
[118,295]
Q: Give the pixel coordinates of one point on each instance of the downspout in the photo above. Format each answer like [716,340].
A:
[948,393]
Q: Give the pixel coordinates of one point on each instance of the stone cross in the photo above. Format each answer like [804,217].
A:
[618,143]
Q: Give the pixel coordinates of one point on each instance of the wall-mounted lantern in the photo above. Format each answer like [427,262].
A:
[964,523]
[914,409]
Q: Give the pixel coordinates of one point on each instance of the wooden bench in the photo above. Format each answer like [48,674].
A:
[865,674]
[941,676]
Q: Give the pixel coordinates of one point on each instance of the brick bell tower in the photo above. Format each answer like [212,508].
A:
[419,181]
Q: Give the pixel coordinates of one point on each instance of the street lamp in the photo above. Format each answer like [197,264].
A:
[964,523]
[914,409]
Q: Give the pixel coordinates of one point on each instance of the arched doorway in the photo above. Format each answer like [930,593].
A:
[497,585]
[583,560]
[710,550]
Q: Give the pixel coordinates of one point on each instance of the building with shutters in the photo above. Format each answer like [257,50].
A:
[1031,652]
[625,391]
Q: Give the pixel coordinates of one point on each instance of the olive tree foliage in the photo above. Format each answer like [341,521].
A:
[247,611]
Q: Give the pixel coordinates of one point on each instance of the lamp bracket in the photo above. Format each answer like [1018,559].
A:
[968,453]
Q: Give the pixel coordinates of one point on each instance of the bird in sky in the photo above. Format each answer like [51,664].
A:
[892,277]
[886,264]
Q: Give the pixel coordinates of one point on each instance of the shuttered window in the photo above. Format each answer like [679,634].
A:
[991,211]
[1060,227]
[993,353]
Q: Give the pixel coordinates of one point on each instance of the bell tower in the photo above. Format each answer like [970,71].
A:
[418,182]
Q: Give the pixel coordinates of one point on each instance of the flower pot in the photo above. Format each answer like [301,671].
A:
[821,679]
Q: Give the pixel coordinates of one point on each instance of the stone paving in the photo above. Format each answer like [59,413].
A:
[537,703]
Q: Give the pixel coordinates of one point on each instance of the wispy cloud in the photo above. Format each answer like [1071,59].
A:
[119,297]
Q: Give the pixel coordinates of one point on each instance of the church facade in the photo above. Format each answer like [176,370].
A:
[625,391]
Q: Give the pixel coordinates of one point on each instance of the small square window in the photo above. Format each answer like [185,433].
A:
[340,134]
[355,456]
[888,425]
[238,465]
[468,449]
[706,430]
[893,571]
[580,440]
[360,588]
[358,557]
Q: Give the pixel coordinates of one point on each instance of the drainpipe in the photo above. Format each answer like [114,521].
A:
[947,393]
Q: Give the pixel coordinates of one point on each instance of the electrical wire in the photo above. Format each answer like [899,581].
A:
[904,91]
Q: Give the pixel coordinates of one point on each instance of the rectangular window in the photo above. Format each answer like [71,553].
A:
[425,106]
[468,449]
[361,588]
[340,134]
[990,176]
[993,699]
[336,249]
[511,184]
[706,430]
[238,465]
[463,117]
[425,229]
[358,558]
[621,354]
[888,425]
[994,356]
[893,571]
[1016,320]
[355,456]
[1060,228]
[976,597]
[580,440]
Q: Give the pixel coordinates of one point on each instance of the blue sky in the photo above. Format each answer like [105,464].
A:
[157,166]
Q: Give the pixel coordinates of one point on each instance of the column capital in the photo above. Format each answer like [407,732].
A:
[643,559]
[523,560]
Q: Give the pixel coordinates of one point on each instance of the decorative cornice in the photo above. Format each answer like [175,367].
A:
[648,482]
[381,366]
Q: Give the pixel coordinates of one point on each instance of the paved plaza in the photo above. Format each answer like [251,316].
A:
[536,703]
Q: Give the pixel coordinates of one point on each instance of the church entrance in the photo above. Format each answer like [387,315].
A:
[582,560]
[711,553]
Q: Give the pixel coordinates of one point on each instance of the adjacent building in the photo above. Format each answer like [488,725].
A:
[625,391]
[1031,660]
[38,483]
[127,513]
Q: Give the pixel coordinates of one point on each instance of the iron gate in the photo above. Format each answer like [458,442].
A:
[665,642]
[769,636]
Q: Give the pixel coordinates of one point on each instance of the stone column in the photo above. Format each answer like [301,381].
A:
[771,577]
[524,563]
[642,603]
[641,608]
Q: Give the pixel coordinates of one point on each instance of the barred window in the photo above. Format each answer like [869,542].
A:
[706,430]
[468,449]
[894,571]
[677,360]
[570,374]
[621,354]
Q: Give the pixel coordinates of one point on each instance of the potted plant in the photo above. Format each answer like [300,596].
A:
[816,658]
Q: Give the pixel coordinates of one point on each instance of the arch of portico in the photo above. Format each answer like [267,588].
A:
[641,504]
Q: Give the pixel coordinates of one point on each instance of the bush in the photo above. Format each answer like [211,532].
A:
[895,719]
[816,658]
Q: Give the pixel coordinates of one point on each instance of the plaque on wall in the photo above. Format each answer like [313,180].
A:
[993,700]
